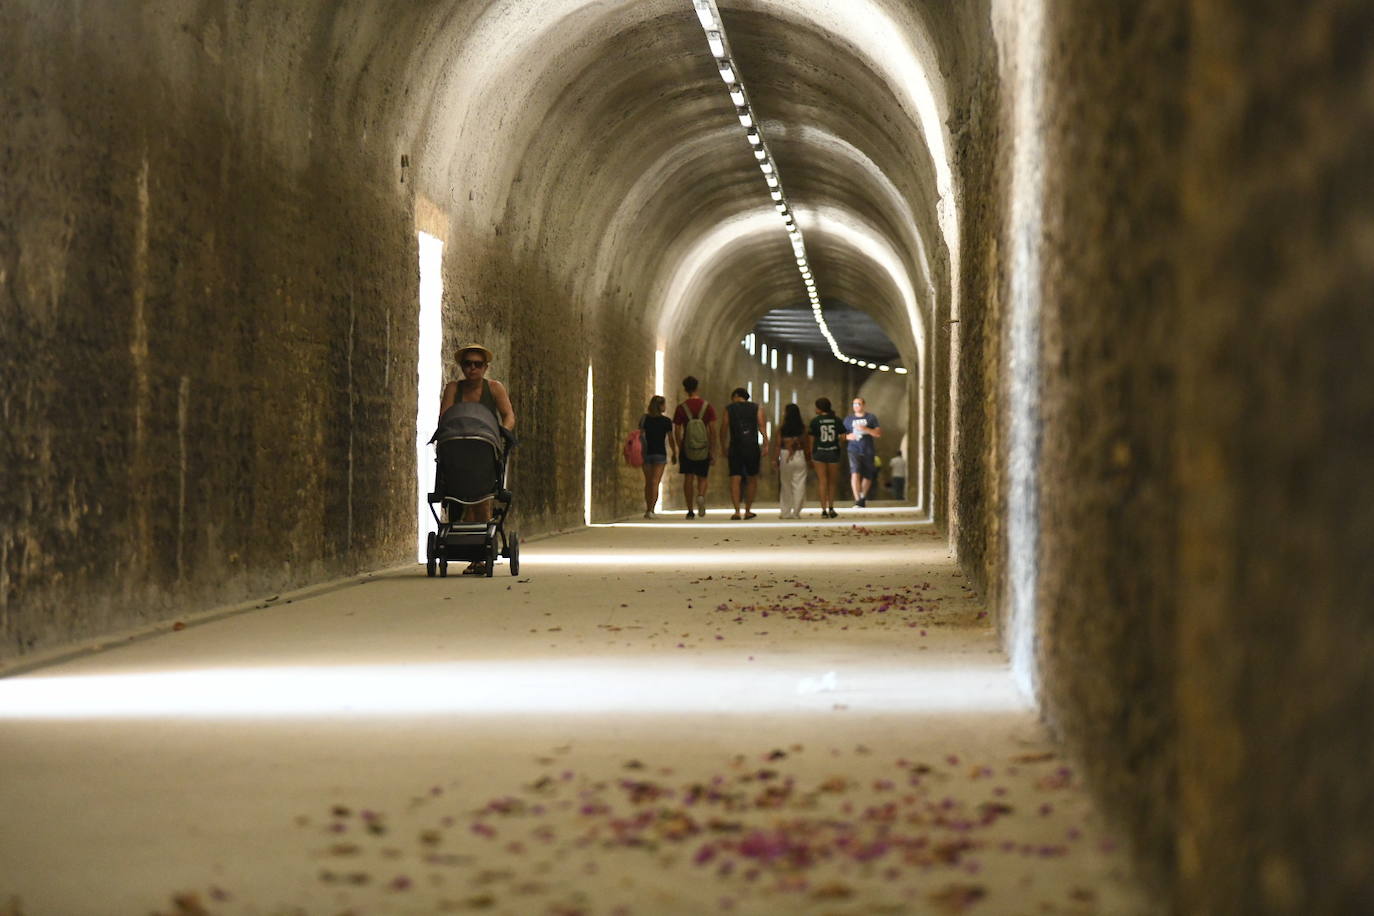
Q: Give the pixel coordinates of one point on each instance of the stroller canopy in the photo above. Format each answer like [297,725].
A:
[469,420]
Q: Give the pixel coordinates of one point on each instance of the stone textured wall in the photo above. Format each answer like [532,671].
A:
[1200,488]
[205,389]
[974,503]
[1107,502]
[1275,444]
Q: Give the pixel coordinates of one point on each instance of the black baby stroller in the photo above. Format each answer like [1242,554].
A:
[471,452]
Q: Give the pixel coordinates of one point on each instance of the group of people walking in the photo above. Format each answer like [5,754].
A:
[695,435]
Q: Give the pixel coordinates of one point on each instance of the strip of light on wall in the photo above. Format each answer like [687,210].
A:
[728,67]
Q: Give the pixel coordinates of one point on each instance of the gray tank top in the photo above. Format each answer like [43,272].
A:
[486,399]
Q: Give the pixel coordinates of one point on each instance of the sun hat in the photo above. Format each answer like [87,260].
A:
[486,354]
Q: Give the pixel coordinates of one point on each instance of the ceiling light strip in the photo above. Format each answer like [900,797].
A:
[719,45]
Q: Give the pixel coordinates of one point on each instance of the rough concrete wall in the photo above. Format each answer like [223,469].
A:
[1202,437]
[1275,447]
[204,390]
[975,472]
[1107,498]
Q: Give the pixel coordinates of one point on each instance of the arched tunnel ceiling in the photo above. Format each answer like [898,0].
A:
[602,139]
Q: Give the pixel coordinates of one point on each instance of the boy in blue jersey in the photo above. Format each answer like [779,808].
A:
[860,429]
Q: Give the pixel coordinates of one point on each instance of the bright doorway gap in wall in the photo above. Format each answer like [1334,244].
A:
[587,454]
[430,376]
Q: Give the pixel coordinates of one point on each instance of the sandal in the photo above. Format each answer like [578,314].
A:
[735,517]
[751,515]
[476,568]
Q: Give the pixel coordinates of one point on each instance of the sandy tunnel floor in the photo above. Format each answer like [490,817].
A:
[656,718]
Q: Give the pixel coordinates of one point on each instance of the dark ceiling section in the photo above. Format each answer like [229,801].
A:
[857,334]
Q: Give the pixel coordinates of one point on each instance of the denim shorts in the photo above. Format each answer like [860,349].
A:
[862,465]
[655,459]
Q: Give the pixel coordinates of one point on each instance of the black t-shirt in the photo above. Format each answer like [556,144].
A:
[744,425]
[825,429]
[656,430]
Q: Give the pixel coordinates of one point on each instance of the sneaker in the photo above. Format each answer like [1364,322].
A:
[691,514]
[648,515]
[861,504]
[701,508]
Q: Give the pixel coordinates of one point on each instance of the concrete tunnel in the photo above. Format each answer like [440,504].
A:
[1123,254]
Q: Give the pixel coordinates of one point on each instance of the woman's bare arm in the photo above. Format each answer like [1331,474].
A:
[502,398]
[447,399]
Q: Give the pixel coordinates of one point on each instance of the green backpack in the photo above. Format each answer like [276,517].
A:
[696,444]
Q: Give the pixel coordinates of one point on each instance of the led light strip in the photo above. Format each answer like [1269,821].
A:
[729,72]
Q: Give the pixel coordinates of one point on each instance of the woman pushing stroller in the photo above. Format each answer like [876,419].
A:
[475,388]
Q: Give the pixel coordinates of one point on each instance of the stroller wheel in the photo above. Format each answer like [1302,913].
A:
[443,568]
[515,554]
[430,551]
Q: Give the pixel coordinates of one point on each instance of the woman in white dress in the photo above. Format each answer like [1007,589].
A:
[794,460]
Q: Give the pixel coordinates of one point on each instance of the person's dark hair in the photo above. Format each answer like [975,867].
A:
[690,384]
[740,393]
[656,405]
[792,425]
[823,405]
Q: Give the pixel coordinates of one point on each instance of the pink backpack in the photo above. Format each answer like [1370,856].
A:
[634,449]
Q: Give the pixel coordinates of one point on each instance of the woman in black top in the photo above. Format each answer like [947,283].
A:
[826,436]
[794,460]
[657,442]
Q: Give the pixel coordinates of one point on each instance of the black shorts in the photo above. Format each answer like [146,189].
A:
[863,465]
[826,457]
[695,468]
[744,462]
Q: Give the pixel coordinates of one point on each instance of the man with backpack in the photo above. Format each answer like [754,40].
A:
[693,430]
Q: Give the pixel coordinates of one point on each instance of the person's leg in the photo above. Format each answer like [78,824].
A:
[649,486]
[689,492]
[785,489]
[856,485]
[478,513]
[798,486]
[734,493]
[652,495]
[751,489]
[701,495]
